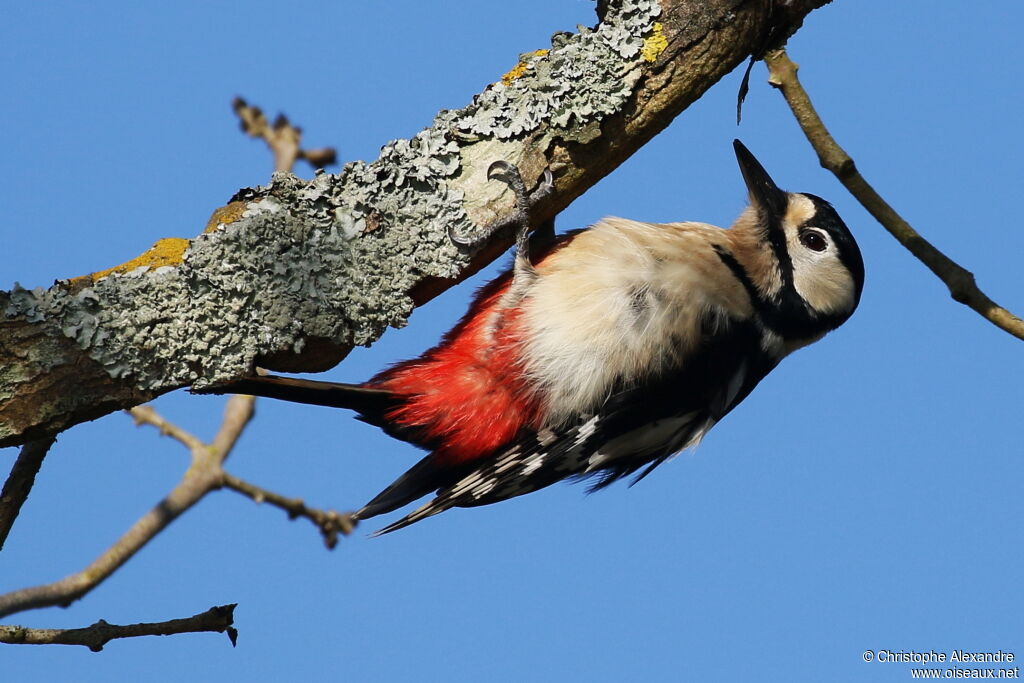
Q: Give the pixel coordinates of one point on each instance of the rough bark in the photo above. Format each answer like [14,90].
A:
[291,275]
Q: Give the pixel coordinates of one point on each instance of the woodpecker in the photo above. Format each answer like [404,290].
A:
[606,351]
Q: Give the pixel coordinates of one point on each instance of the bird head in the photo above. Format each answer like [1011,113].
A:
[800,258]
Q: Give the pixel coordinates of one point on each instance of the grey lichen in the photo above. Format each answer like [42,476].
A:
[298,264]
[580,80]
[23,302]
[335,257]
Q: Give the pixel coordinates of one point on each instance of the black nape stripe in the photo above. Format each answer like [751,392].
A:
[760,303]
[788,315]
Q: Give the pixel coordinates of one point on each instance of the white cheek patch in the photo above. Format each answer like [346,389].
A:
[822,280]
[820,277]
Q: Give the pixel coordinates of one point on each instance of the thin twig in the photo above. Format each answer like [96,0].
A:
[283,138]
[330,522]
[196,483]
[147,415]
[19,483]
[218,619]
[961,283]
[237,412]
[203,475]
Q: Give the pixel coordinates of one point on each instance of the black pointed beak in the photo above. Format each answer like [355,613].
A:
[764,193]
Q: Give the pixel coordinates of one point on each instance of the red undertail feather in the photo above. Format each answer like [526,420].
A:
[466,396]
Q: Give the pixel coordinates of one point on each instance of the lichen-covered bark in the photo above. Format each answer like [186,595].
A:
[299,271]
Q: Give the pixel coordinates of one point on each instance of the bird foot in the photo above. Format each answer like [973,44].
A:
[520,216]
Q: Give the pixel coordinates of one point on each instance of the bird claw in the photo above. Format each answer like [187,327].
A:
[520,218]
[501,165]
[544,188]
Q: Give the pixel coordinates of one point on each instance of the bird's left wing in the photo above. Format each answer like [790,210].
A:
[639,426]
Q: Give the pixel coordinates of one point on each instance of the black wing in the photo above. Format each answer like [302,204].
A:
[639,426]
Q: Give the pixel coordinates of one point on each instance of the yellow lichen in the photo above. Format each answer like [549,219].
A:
[521,67]
[654,44]
[226,215]
[166,252]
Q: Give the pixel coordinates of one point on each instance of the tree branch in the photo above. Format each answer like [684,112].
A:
[219,619]
[148,415]
[961,283]
[290,276]
[204,474]
[19,483]
[329,522]
[237,413]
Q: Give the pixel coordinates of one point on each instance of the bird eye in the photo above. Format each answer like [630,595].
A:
[813,240]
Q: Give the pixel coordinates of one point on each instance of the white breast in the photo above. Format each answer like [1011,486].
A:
[621,300]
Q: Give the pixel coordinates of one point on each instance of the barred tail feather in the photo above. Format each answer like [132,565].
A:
[424,477]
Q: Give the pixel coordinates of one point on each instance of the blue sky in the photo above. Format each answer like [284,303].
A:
[866,496]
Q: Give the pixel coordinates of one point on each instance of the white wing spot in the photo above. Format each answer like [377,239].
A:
[586,430]
[533,463]
[597,460]
[484,488]
[467,482]
[699,434]
[504,465]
